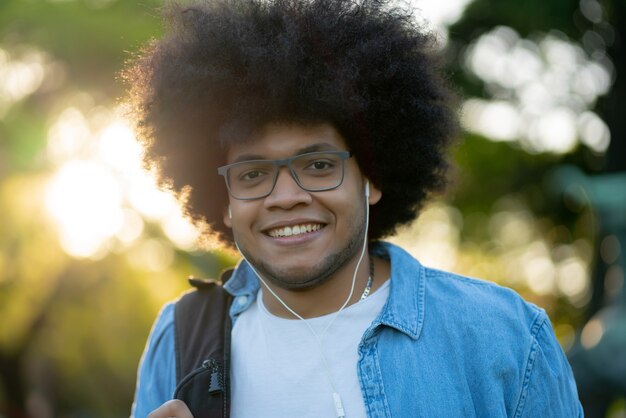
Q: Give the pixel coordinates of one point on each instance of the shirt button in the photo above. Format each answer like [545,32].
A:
[242,300]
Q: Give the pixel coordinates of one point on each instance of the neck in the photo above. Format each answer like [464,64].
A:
[324,299]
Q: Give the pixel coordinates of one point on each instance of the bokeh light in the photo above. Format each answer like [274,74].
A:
[542,91]
[100,192]
[518,253]
[20,75]
[440,14]
[92,247]
[592,333]
[85,201]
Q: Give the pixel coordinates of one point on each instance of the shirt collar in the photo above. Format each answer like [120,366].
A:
[403,311]
[243,284]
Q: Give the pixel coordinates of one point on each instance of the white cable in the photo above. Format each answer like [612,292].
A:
[336,398]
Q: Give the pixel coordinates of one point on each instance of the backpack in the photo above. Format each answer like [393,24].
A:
[202,331]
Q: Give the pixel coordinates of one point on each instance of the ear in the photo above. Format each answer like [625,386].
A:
[227,217]
[375,194]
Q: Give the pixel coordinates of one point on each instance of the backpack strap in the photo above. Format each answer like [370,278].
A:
[202,330]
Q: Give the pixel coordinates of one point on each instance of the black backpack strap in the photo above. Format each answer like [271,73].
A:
[202,329]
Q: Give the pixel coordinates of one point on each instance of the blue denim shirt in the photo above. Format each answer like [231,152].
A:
[443,346]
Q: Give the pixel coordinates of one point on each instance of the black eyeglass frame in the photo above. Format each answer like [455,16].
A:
[285,162]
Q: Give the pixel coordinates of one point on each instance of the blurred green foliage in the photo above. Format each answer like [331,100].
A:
[72,330]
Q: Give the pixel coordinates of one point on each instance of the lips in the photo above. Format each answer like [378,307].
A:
[294,230]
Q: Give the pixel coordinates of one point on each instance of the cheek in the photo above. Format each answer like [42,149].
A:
[241,216]
[350,213]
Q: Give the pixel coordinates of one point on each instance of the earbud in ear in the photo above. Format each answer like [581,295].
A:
[230,213]
[367,188]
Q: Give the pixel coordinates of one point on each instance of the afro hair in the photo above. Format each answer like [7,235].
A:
[226,68]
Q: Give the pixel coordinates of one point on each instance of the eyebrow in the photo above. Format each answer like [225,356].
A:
[320,146]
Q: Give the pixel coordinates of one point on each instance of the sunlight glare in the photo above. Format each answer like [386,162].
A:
[145,197]
[132,227]
[119,149]
[181,232]
[85,201]
[68,136]
[101,189]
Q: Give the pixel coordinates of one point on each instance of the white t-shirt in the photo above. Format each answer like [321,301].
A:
[278,370]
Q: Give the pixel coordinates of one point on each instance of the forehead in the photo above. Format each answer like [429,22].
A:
[275,141]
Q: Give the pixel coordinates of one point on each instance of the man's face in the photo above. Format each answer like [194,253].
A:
[331,223]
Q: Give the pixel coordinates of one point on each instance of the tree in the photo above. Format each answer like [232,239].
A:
[592,33]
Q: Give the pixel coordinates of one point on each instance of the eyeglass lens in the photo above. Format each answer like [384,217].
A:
[313,172]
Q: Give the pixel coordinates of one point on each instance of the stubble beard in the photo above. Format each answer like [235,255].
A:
[317,275]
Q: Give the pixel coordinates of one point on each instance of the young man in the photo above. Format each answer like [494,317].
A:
[328,123]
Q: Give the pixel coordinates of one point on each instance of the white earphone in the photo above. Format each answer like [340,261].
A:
[230,213]
[367,188]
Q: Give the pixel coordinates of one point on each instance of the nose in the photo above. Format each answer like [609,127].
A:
[287,193]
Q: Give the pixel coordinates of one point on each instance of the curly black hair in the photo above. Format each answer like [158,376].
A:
[226,68]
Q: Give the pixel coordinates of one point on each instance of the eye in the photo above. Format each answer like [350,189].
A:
[321,165]
[251,175]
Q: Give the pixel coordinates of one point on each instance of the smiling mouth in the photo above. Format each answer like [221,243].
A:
[290,231]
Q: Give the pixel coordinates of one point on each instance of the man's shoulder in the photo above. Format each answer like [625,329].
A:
[458,302]
[474,290]
[162,333]
[471,301]
[452,287]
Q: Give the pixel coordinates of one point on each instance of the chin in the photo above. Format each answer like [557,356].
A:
[296,278]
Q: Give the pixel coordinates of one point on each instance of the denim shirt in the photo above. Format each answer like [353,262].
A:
[443,346]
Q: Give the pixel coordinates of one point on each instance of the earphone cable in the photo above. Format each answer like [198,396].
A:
[318,337]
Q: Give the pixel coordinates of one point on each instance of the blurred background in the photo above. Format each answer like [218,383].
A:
[90,248]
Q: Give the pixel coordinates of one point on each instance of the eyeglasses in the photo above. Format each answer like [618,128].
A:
[313,172]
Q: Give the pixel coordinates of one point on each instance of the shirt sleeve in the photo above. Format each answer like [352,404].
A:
[549,388]
[156,378]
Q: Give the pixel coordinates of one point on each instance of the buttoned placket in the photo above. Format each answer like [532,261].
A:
[370,377]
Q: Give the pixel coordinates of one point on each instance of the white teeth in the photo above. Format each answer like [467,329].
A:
[289,231]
